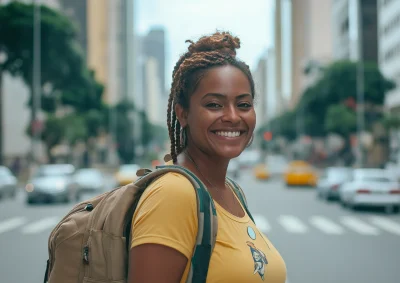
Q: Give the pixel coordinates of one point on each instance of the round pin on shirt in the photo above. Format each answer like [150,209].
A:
[251,233]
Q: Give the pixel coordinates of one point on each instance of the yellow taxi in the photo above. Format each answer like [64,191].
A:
[300,173]
[126,174]
[261,172]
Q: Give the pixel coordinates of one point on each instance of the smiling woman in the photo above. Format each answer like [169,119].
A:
[211,119]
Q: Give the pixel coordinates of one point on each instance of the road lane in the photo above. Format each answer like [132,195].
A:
[320,241]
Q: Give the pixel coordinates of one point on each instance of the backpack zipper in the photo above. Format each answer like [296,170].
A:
[80,208]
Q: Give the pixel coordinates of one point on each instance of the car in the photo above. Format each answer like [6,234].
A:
[276,164]
[300,173]
[371,187]
[89,180]
[8,183]
[126,174]
[52,183]
[329,183]
[261,172]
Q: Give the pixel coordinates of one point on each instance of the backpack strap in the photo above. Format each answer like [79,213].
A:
[240,194]
[207,222]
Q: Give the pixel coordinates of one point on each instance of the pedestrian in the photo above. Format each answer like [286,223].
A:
[211,119]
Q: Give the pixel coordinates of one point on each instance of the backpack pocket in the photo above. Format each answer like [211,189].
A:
[105,262]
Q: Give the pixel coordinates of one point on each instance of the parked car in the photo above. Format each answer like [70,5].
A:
[300,173]
[126,174]
[371,187]
[89,180]
[51,183]
[331,180]
[8,183]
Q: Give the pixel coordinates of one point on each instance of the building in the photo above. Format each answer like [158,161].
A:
[389,48]
[15,95]
[354,39]
[260,81]
[152,66]
[106,34]
[300,38]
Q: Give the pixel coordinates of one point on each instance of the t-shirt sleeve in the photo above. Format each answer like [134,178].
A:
[167,215]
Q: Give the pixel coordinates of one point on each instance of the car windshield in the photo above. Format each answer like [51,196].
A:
[88,173]
[54,171]
[339,174]
[4,172]
[375,179]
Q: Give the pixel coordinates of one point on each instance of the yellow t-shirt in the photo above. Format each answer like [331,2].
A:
[167,215]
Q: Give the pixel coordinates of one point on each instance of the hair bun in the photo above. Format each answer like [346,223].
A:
[223,42]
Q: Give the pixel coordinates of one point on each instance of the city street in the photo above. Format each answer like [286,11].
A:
[321,242]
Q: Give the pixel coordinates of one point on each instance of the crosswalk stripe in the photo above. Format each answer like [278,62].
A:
[359,226]
[386,224]
[292,224]
[11,224]
[327,226]
[40,225]
[262,223]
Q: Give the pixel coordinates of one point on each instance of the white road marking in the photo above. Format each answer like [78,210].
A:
[292,224]
[359,226]
[327,226]
[11,224]
[41,225]
[386,224]
[262,223]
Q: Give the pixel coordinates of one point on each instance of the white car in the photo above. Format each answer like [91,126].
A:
[371,187]
[331,180]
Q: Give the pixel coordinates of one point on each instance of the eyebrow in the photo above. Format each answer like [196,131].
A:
[220,95]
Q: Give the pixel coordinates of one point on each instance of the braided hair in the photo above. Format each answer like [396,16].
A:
[218,49]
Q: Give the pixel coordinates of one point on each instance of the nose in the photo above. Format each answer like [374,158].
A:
[231,114]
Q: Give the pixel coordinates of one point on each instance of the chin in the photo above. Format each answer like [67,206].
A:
[230,153]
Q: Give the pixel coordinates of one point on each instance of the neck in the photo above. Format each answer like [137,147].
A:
[211,170]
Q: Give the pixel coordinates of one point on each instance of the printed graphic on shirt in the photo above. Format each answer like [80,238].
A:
[260,260]
[251,233]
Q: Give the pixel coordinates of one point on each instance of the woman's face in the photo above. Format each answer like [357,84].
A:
[221,116]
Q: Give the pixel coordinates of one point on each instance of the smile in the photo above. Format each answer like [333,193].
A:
[228,134]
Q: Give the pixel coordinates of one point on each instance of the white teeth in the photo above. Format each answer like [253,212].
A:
[228,134]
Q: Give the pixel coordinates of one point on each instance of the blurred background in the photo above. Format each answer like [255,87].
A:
[84,86]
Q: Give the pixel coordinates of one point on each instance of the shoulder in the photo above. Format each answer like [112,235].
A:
[171,185]
[170,189]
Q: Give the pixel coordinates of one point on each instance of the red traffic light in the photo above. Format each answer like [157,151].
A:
[267,136]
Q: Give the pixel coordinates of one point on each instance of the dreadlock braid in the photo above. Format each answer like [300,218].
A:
[218,49]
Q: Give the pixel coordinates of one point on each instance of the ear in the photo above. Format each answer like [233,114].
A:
[181,115]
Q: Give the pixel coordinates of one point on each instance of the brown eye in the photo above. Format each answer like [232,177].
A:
[213,105]
[245,105]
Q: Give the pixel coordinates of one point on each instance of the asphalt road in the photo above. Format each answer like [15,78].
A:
[319,241]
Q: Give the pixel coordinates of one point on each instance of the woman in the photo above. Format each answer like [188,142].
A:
[211,120]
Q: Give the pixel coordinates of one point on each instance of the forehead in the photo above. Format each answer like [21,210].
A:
[228,80]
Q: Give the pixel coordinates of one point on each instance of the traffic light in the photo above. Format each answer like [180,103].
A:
[267,136]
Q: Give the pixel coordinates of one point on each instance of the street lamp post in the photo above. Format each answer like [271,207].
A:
[3,58]
[36,83]
[360,86]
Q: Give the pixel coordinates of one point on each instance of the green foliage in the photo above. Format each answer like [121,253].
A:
[391,121]
[336,86]
[340,120]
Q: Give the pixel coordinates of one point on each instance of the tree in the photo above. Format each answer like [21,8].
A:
[65,78]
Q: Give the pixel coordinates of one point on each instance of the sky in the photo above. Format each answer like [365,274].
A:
[250,20]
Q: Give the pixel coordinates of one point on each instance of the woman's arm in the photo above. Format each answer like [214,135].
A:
[151,263]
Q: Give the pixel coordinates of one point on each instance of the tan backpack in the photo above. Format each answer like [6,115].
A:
[91,243]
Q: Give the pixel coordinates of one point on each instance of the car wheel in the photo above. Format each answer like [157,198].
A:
[30,201]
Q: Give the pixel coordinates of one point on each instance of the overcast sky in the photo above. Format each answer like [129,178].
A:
[189,19]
